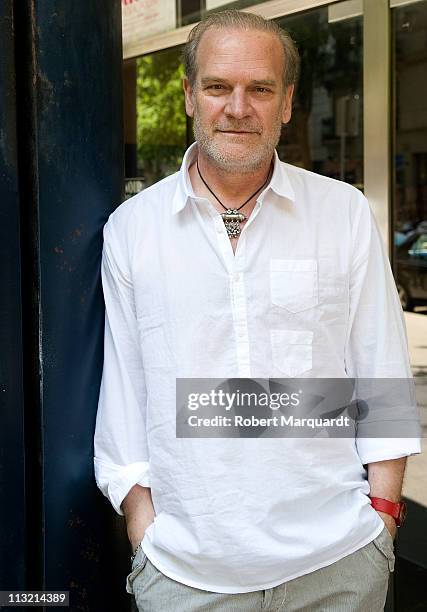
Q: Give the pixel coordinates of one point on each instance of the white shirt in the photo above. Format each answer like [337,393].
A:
[309,292]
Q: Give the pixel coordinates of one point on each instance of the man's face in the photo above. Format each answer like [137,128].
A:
[238,102]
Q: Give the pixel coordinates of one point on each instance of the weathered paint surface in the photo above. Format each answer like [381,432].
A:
[70,148]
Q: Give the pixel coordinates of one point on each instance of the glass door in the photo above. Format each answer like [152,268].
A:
[409,220]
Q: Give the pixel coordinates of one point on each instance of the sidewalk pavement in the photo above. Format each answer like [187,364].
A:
[415,482]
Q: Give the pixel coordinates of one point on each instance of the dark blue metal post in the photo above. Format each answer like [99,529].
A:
[69,149]
[12,475]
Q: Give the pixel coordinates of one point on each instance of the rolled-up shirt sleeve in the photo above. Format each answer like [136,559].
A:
[121,457]
[377,345]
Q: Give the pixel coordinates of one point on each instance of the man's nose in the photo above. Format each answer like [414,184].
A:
[238,104]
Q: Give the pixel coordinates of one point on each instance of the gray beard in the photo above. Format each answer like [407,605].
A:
[249,163]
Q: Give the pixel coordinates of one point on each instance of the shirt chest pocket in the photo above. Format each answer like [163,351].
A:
[293,284]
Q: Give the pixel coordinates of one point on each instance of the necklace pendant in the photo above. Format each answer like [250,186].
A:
[232,220]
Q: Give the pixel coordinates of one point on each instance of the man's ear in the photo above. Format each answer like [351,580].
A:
[188,91]
[287,104]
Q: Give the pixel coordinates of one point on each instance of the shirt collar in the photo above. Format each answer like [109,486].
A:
[279,182]
[184,189]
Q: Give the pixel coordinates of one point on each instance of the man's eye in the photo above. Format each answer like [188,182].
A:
[263,89]
[215,86]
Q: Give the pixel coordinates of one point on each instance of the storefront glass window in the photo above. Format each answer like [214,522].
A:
[158,124]
[410,155]
[409,213]
[220,5]
[326,132]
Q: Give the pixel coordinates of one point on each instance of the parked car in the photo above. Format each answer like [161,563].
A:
[411,267]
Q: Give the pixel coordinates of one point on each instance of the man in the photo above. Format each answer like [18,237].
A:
[293,281]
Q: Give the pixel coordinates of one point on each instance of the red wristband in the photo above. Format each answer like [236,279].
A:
[396,510]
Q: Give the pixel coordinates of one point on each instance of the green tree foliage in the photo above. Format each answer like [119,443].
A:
[161,119]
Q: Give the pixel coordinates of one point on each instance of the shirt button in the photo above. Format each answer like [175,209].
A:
[236,277]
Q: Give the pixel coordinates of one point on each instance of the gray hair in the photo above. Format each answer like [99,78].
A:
[234,19]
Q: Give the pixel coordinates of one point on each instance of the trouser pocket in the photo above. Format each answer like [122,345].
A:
[385,544]
[137,566]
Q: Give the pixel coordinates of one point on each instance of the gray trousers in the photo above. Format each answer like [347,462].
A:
[356,583]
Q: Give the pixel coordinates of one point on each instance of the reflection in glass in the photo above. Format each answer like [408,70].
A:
[410,159]
[326,132]
[410,268]
[161,125]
